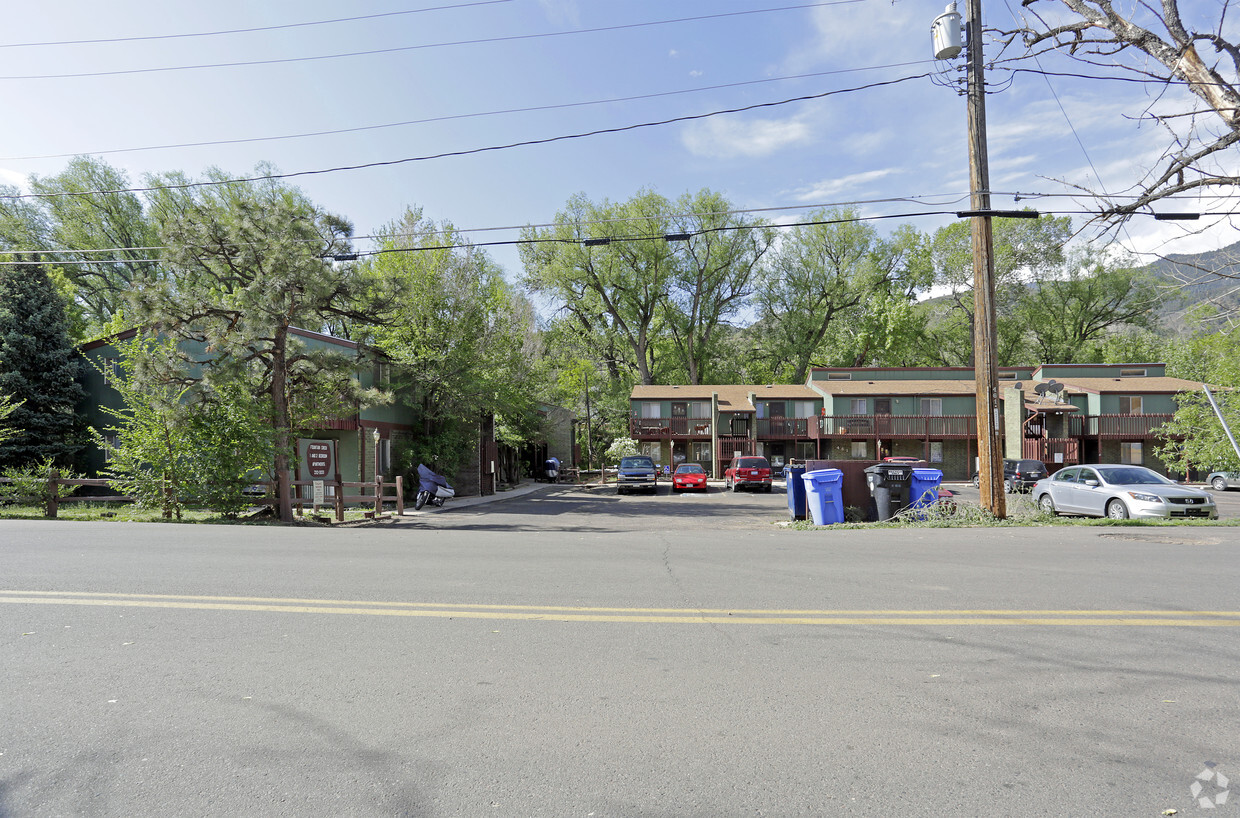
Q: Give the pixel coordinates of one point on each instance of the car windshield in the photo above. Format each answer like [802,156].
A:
[689,470]
[751,463]
[636,463]
[1132,476]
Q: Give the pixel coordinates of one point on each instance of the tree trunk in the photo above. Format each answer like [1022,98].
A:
[281,423]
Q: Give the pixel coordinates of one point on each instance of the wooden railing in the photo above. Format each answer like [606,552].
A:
[918,426]
[1143,426]
[783,428]
[669,427]
[728,446]
[51,497]
[1054,451]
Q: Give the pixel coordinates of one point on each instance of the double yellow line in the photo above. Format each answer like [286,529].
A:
[687,616]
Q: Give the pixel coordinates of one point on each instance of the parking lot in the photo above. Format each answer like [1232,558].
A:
[599,509]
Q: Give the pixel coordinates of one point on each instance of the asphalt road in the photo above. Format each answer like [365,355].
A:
[568,653]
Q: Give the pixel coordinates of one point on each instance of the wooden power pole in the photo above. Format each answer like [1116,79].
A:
[985,367]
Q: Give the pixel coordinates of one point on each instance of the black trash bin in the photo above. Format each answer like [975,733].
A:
[889,485]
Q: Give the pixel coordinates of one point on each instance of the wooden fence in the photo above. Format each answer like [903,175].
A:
[379,494]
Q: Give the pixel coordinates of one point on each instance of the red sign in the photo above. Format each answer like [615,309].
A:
[319,460]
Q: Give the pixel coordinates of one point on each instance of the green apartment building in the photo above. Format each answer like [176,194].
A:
[1057,413]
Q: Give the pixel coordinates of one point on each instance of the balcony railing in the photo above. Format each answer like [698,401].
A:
[783,428]
[669,427]
[918,426]
[1054,450]
[1119,426]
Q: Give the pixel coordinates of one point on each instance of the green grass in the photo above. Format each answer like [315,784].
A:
[1022,513]
[129,513]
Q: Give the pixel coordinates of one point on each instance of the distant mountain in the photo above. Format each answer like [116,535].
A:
[1211,278]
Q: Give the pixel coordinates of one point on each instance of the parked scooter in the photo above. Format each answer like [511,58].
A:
[551,469]
[432,488]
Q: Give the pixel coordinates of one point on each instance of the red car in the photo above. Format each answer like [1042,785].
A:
[689,476]
[753,472]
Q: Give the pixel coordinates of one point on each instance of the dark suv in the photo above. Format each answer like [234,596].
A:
[1019,475]
[636,473]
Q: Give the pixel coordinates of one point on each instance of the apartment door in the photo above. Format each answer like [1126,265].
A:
[882,415]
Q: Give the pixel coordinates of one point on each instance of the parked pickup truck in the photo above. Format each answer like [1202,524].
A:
[636,473]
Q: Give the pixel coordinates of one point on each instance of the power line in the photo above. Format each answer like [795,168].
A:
[307,24]
[424,46]
[451,117]
[592,241]
[465,152]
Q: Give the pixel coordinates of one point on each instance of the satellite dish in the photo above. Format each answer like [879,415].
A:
[1040,389]
[1020,385]
[1056,390]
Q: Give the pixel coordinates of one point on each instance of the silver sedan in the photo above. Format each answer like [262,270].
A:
[1119,492]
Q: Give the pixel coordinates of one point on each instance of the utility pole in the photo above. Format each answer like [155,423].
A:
[985,367]
[589,445]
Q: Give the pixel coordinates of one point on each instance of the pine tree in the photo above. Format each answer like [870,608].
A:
[38,368]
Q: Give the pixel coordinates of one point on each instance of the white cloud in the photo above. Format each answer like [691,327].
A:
[695,73]
[15,179]
[727,139]
[561,12]
[853,184]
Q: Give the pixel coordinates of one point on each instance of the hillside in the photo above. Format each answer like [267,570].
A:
[1211,278]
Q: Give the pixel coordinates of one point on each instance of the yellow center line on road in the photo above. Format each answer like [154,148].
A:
[555,613]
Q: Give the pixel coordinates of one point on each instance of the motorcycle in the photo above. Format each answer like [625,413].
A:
[433,489]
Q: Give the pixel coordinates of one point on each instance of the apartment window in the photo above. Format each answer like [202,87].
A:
[701,453]
[699,409]
[385,456]
[111,370]
[936,451]
[383,374]
[1132,373]
[1007,376]
[839,376]
[804,409]
[860,450]
[651,449]
[110,444]
[1131,454]
[651,409]
[1130,405]
[932,406]
[860,406]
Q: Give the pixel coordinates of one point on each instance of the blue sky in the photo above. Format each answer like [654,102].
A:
[586,65]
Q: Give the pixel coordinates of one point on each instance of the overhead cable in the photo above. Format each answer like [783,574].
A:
[451,117]
[152,37]
[424,46]
[465,152]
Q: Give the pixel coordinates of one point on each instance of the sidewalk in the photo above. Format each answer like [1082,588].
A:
[526,487]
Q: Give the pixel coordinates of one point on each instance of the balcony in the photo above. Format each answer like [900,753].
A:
[669,428]
[921,427]
[1124,426]
[783,428]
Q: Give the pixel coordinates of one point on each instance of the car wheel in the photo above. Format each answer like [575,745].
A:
[736,487]
[977,481]
[1007,486]
[1219,484]
[1047,504]
[1116,510]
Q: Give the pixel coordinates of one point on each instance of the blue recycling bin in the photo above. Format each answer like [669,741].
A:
[923,490]
[795,491]
[824,495]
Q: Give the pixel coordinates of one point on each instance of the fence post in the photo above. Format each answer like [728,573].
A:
[378,495]
[53,493]
[400,495]
[339,498]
